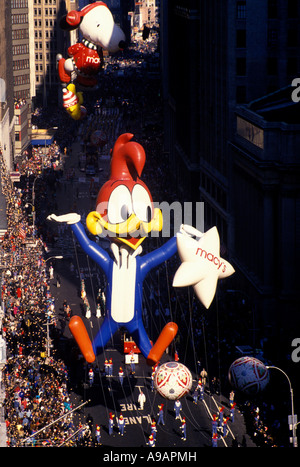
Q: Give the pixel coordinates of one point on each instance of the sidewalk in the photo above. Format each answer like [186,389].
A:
[3,438]
[2,387]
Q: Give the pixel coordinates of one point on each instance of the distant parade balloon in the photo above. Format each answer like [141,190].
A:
[249,375]
[173,380]
[85,59]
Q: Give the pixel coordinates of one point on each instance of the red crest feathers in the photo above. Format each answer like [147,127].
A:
[128,159]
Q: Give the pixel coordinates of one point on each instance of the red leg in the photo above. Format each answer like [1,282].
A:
[82,338]
[164,340]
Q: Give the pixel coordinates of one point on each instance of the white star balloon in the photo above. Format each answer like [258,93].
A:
[201,265]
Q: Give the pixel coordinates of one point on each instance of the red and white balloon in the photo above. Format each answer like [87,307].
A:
[173,380]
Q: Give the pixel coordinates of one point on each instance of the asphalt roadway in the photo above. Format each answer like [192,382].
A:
[107,395]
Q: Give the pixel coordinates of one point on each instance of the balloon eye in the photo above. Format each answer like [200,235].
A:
[149,213]
[142,203]
[119,205]
[125,212]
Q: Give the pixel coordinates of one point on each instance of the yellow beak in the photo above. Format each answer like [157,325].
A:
[133,227]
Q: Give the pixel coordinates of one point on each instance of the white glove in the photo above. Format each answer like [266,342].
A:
[71,218]
[190,231]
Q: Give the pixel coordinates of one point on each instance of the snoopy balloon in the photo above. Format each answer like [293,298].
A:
[99,31]
[126,214]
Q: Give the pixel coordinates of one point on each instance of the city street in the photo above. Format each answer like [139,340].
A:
[106,394]
[149,226]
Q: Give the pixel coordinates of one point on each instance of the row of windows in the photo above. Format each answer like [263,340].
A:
[46,11]
[49,23]
[22,79]
[48,45]
[48,66]
[18,34]
[19,3]
[48,34]
[46,2]
[22,94]
[20,64]
[20,49]
[48,57]
[21,18]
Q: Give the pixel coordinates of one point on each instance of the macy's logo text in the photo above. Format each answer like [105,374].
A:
[212,258]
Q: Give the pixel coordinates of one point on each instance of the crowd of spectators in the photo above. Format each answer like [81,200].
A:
[39,159]
[36,384]
[37,395]
[263,423]
[19,103]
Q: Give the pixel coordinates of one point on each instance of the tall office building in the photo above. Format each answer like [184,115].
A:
[145,13]
[21,73]
[217,56]
[180,38]
[265,184]
[30,39]
[49,40]
[7,136]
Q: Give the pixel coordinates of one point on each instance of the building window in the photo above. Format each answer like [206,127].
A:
[241,68]
[241,38]
[241,11]
[19,19]
[19,3]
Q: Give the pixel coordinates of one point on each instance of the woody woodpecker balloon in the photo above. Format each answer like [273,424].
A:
[126,215]
[99,31]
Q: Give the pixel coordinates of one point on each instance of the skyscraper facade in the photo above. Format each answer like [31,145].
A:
[20,19]
[7,137]
[49,40]
[217,59]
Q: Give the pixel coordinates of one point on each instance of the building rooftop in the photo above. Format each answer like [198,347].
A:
[278,106]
